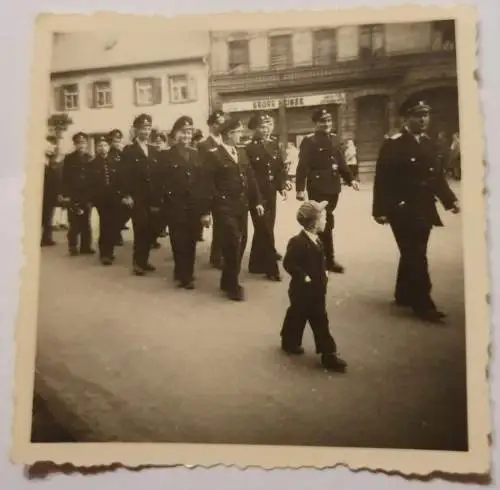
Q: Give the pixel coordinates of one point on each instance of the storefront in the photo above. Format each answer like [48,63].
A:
[293,121]
[372,123]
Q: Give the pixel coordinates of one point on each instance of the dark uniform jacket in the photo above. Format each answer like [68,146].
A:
[268,166]
[76,175]
[143,177]
[107,178]
[321,164]
[185,187]
[51,184]
[305,258]
[409,179]
[232,186]
[206,145]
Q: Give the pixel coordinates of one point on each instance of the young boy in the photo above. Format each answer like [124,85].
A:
[305,262]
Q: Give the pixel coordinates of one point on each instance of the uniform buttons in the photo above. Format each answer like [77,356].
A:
[413,159]
[431,169]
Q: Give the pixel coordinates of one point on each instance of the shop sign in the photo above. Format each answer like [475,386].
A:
[290,102]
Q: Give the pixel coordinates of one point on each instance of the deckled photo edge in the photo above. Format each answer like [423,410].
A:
[475,258]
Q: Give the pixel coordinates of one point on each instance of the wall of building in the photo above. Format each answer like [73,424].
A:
[413,37]
[123,111]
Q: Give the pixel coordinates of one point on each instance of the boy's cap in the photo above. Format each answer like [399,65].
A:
[310,210]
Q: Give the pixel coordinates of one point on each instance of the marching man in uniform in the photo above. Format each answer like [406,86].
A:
[186,203]
[408,180]
[76,174]
[115,140]
[321,165]
[214,139]
[143,192]
[265,158]
[106,192]
[233,192]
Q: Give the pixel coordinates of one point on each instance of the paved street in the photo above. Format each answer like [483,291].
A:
[122,358]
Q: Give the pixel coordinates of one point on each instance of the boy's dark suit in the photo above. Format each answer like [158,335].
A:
[307,299]
[144,182]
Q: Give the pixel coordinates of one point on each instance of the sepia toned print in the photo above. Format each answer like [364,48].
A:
[262,243]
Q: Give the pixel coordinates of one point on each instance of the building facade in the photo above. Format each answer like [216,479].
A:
[100,90]
[362,73]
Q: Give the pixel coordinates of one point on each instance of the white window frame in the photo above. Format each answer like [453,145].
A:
[70,97]
[144,92]
[175,88]
[108,94]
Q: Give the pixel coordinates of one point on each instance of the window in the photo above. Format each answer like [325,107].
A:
[147,91]
[280,51]
[443,35]
[70,97]
[239,55]
[182,88]
[325,47]
[102,94]
[371,41]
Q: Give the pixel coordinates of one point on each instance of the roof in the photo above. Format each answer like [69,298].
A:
[77,51]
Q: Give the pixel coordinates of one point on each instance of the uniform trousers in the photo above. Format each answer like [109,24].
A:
[233,228]
[305,307]
[215,248]
[413,284]
[145,224]
[326,236]
[79,227]
[48,206]
[183,238]
[263,252]
[110,212]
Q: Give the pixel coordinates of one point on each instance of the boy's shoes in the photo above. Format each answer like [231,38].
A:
[332,362]
[293,351]
[149,268]
[73,252]
[106,261]
[87,251]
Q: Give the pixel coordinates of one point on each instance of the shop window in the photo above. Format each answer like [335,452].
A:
[325,47]
[239,55]
[280,51]
[371,41]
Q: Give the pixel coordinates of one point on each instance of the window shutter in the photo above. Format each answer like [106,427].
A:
[169,88]
[110,93]
[58,99]
[157,94]
[134,91]
[91,95]
[192,89]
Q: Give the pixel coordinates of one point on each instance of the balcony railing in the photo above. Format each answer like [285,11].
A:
[376,65]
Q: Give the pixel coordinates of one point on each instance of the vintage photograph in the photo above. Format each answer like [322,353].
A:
[254,236]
